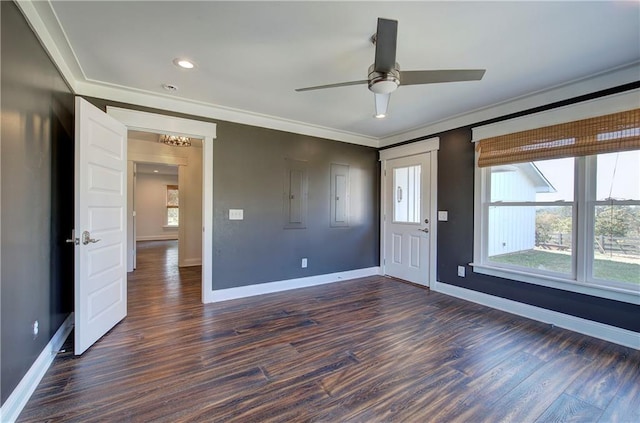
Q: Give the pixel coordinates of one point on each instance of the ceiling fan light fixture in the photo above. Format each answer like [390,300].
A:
[175,141]
[384,83]
[383,87]
[382,103]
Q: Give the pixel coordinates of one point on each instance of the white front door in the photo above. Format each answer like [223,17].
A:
[100,206]
[406,218]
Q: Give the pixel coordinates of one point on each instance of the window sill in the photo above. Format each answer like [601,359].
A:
[627,296]
[170,226]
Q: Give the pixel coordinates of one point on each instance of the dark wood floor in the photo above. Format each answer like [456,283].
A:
[367,350]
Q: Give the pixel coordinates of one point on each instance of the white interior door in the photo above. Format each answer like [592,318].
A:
[100,253]
[406,218]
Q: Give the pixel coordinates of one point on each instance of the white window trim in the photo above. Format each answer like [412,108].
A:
[598,107]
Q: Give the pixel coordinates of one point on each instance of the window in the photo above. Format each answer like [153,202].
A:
[530,215]
[406,196]
[555,206]
[173,205]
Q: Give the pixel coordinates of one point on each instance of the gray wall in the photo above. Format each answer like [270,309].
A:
[37,198]
[248,174]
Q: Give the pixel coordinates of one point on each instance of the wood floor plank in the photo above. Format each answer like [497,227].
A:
[367,350]
[625,406]
[570,409]
[601,381]
[534,395]
[484,391]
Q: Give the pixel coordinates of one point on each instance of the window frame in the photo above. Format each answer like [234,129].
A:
[582,279]
[169,207]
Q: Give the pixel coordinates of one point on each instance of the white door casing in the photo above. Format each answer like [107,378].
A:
[100,255]
[206,131]
[408,218]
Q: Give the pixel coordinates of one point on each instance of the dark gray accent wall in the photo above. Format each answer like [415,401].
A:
[37,198]
[249,174]
[456,161]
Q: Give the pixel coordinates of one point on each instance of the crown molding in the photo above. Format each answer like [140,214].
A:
[44,22]
[168,102]
[612,78]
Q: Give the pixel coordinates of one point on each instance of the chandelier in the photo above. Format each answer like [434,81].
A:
[175,140]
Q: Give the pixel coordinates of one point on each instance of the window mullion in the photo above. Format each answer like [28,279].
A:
[585,195]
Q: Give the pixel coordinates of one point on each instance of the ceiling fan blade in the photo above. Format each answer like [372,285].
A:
[382,103]
[340,84]
[386,40]
[436,76]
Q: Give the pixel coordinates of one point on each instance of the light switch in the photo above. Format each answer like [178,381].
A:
[443,215]
[236,214]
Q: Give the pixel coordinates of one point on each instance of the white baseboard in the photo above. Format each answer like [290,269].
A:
[278,286]
[165,237]
[587,327]
[191,262]
[18,399]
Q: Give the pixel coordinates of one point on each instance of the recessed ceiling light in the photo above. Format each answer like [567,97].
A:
[155,170]
[184,63]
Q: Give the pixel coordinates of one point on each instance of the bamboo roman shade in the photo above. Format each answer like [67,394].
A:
[602,134]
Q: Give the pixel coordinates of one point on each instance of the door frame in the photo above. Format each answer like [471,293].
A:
[206,131]
[431,145]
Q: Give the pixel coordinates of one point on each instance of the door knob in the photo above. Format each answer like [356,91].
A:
[86,238]
[425,230]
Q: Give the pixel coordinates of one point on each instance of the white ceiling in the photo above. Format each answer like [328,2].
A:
[154,168]
[251,56]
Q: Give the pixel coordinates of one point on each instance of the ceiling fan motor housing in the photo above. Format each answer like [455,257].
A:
[384,83]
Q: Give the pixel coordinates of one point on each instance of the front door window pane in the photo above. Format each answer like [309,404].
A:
[406,194]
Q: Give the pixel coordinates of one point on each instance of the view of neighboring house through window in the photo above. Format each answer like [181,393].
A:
[571,217]
[531,215]
[173,209]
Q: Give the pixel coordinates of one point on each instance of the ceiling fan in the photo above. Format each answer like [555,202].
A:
[385,75]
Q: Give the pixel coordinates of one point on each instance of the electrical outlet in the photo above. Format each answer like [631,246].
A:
[304,263]
[36,329]
[461,271]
